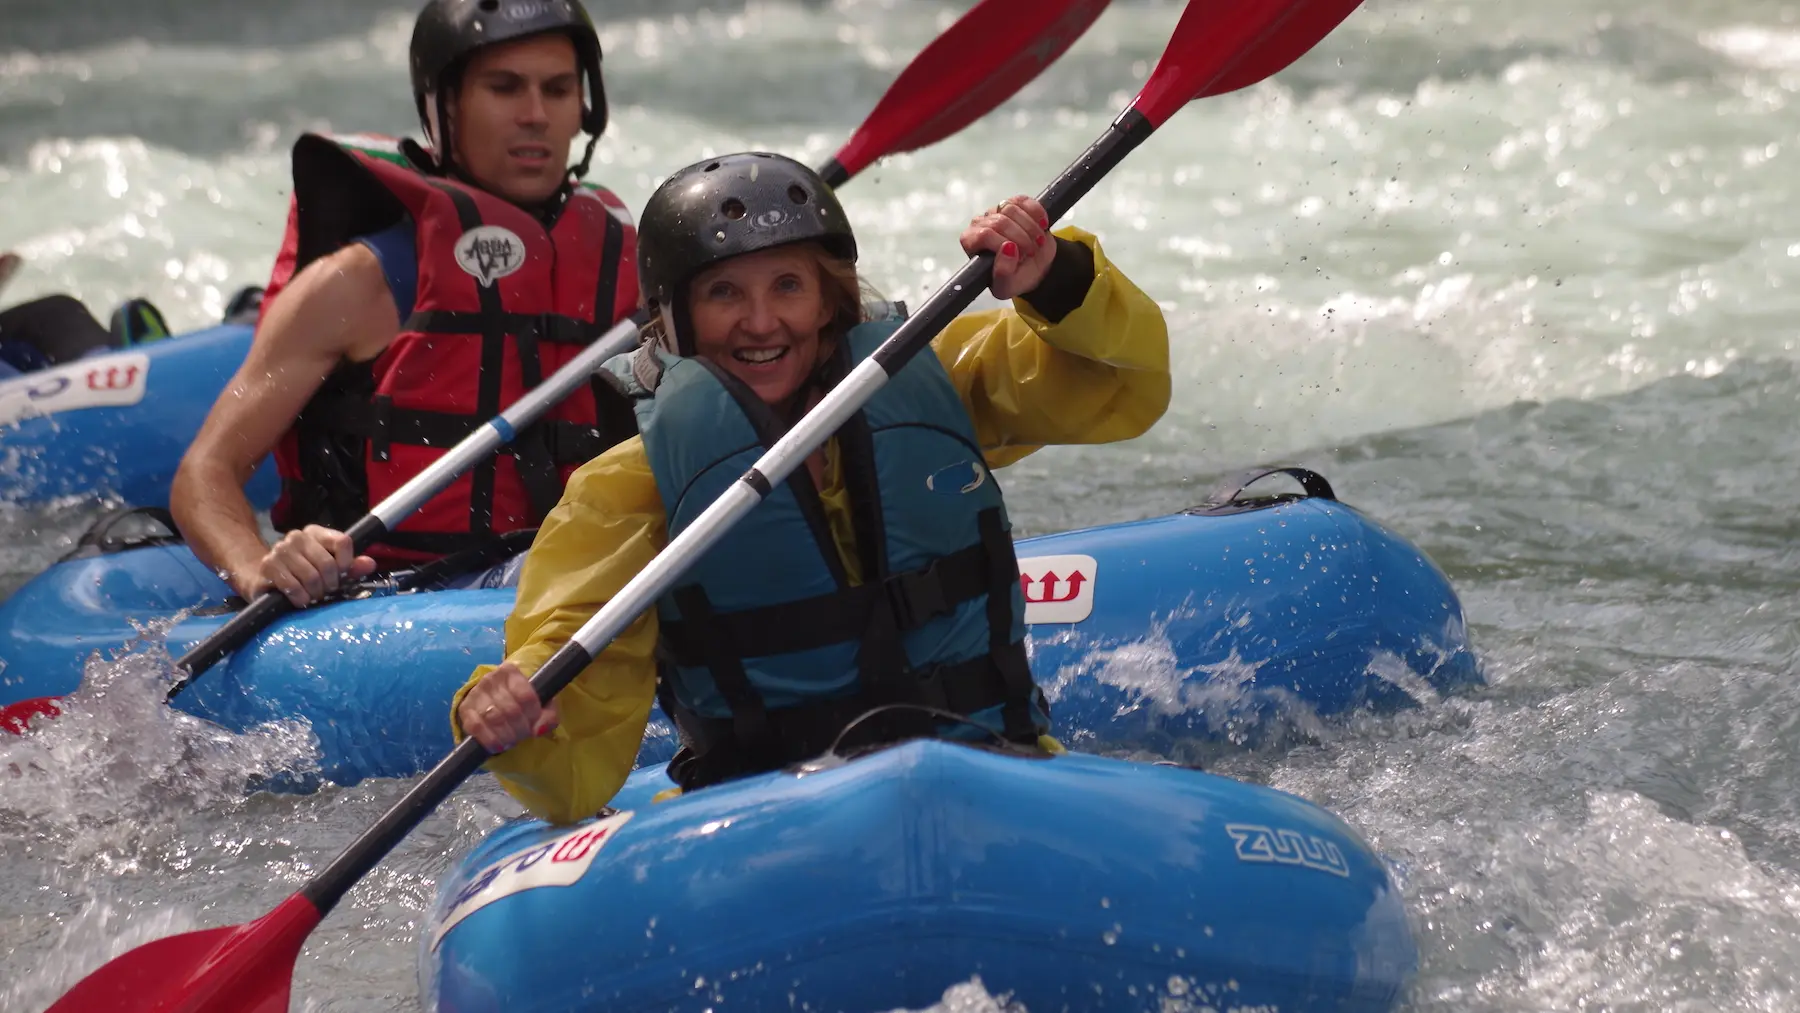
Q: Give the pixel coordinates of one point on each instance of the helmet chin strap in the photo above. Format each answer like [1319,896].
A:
[677,327]
[436,160]
[552,208]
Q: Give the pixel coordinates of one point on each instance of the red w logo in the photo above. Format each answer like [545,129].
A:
[1048,584]
[112,378]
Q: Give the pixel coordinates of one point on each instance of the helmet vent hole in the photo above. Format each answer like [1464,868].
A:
[711,168]
[734,208]
[490,6]
[796,194]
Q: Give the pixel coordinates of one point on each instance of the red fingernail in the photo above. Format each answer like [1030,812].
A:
[1009,249]
[1044,221]
[1041,238]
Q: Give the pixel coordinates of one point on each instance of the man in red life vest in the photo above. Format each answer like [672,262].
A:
[418,294]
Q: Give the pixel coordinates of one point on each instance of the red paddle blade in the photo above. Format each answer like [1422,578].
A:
[979,62]
[235,969]
[16,717]
[1221,47]
[1306,24]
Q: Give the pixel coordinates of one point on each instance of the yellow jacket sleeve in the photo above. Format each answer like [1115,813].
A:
[1099,374]
[608,526]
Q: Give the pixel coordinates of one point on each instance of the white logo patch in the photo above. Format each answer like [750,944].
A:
[1281,846]
[490,252]
[104,381]
[1058,589]
[559,862]
[770,219]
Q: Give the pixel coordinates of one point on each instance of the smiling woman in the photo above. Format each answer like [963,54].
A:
[748,262]
[760,316]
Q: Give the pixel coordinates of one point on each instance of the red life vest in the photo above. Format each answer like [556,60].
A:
[501,304]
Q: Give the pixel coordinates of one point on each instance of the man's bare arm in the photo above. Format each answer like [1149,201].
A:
[338,308]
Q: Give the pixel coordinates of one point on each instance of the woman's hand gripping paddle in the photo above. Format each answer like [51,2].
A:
[1219,45]
[991,52]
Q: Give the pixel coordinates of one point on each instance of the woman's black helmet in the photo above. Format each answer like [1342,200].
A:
[722,207]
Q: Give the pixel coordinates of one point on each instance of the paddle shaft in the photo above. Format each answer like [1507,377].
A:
[655,580]
[1228,51]
[770,470]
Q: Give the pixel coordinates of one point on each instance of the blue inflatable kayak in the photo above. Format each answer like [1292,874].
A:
[117,424]
[1068,882]
[1196,625]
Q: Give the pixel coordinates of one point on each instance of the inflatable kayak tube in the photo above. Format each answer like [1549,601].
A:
[1070,882]
[117,424]
[1191,626]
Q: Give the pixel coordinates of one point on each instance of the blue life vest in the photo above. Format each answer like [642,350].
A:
[768,651]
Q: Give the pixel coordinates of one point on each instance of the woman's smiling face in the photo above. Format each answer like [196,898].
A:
[759,316]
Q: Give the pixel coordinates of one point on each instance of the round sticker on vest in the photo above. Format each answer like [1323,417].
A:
[490,252]
[958,479]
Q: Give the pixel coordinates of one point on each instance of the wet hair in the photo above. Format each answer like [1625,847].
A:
[843,289]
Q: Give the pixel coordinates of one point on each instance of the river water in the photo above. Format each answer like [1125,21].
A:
[1519,278]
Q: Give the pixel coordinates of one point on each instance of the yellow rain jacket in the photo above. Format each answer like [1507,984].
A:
[1099,375]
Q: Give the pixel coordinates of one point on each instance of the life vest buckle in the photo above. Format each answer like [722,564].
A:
[557,329]
[929,689]
[917,596]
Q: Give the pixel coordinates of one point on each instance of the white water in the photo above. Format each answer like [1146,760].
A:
[1519,278]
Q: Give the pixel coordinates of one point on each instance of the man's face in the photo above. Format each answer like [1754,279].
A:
[516,113]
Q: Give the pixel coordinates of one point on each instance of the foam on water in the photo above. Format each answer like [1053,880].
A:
[105,793]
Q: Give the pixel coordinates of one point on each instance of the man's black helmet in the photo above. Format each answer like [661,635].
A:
[447,31]
[721,207]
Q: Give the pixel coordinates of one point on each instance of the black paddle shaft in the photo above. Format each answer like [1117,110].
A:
[1125,133]
[268,607]
[368,850]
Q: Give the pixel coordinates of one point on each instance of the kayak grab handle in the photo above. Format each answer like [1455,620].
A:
[1223,499]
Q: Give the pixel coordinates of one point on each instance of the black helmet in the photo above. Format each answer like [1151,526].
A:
[447,31]
[721,207]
